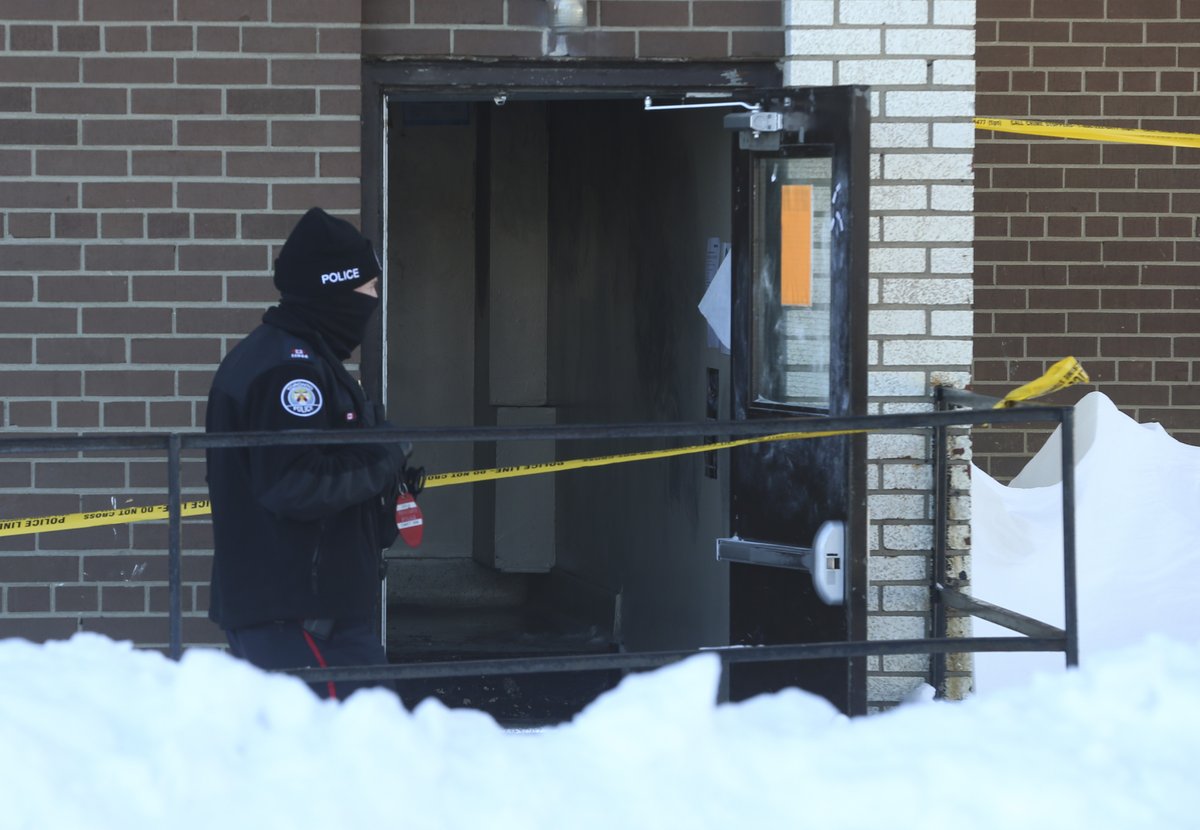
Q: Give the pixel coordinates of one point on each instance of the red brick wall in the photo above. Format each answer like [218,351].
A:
[1083,248]
[152,153]
[617,29]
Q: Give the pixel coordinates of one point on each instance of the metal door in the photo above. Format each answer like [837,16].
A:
[799,304]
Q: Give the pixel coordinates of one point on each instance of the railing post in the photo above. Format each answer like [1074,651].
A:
[941,491]
[174,555]
[1070,606]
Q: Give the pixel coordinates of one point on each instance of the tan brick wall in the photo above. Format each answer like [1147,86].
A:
[1083,248]
[917,58]
[152,152]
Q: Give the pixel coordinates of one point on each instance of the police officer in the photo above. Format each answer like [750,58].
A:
[299,530]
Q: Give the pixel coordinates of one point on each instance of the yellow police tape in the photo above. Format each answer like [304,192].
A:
[98,518]
[469,476]
[1062,374]
[1121,135]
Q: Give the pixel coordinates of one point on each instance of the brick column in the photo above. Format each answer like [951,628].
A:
[918,58]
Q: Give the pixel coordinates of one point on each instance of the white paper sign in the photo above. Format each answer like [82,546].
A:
[715,305]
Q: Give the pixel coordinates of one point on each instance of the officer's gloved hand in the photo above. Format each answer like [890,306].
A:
[414,480]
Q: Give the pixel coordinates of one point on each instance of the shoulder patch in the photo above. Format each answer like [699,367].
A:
[300,354]
[301,398]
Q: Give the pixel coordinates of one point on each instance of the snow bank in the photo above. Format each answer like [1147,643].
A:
[1137,528]
[95,734]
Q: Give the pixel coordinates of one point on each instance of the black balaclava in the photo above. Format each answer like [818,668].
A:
[323,260]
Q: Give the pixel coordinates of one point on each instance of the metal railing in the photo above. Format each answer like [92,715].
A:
[1036,635]
[945,594]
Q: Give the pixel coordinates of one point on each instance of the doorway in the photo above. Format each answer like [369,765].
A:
[546,253]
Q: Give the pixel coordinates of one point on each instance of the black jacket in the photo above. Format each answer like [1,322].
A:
[298,530]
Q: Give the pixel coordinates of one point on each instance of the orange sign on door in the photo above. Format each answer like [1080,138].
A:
[795,243]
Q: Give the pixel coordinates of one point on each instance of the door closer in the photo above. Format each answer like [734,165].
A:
[757,129]
[824,560]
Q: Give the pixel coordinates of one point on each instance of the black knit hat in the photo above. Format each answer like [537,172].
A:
[324,255]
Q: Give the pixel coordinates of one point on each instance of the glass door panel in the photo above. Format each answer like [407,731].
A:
[790,305]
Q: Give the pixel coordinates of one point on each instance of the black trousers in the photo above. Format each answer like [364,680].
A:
[287,644]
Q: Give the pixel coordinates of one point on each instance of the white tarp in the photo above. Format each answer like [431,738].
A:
[1137,526]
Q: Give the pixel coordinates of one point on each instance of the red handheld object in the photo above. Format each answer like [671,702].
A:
[409,520]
